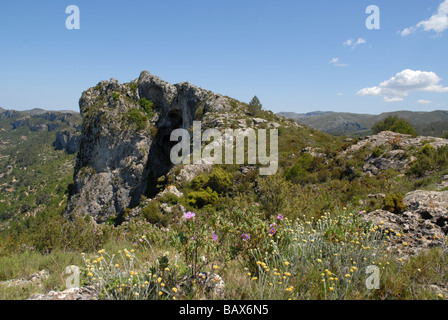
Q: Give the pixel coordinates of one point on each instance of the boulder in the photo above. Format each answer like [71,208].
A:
[424,224]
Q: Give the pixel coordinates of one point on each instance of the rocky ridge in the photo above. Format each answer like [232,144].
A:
[396,150]
[125,148]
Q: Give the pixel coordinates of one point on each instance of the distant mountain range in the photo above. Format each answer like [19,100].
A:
[433,123]
[37,111]
[37,159]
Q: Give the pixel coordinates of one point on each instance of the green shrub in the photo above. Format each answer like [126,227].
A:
[135,116]
[147,106]
[152,212]
[116,96]
[295,174]
[201,198]
[169,198]
[302,171]
[394,124]
[219,180]
[378,151]
[54,232]
[429,159]
[394,203]
[134,87]
[199,182]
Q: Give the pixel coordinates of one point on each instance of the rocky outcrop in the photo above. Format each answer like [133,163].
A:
[68,141]
[125,141]
[123,148]
[398,140]
[35,278]
[84,293]
[395,151]
[424,223]
[47,121]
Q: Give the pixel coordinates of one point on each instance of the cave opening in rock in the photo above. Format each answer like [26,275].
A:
[159,162]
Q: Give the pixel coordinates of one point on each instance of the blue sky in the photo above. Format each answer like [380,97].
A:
[295,55]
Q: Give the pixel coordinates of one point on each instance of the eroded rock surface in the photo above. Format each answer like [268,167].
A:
[123,148]
[423,225]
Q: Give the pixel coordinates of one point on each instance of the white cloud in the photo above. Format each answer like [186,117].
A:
[395,99]
[361,41]
[407,31]
[348,43]
[340,94]
[421,101]
[438,22]
[353,44]
[335,62]
[403,83]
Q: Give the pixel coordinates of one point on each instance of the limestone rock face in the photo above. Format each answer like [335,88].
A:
[68,141]
[123,147]
[424,224]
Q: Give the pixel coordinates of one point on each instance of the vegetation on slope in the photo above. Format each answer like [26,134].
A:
[296,235]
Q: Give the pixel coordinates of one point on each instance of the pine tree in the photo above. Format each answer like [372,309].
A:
[255,106]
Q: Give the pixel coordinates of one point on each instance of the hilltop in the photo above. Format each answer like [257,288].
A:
[125,141]
[433,123]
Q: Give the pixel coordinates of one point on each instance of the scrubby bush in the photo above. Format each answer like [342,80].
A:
[302,171]
[116,96]
[394,203]
[378,151]
[394,124]
[199,182]
[147,105]
[152,212]
[429,159]
[136,116]
[218,180]
[201,198]
[134,86]
[169,198]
